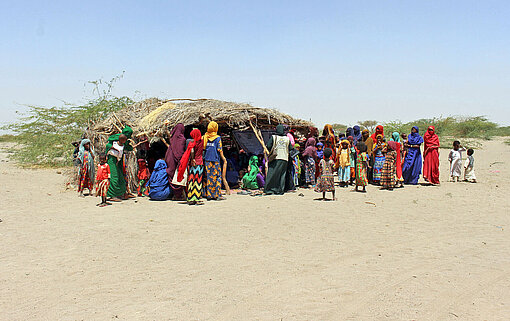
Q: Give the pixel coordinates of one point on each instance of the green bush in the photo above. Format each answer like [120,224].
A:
[45,134]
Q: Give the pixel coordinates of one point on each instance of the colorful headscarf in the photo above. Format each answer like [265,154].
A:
[310,149]
[212,133]
[415,138]
[197,140]
[128,132]
[349,132]
[430,139]
[379,130]
[81,156]
[356,130]
[395,137]
[328,131]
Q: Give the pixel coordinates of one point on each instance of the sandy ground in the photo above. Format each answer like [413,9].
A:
[419,253]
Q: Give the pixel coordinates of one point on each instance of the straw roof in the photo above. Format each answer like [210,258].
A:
[153,116]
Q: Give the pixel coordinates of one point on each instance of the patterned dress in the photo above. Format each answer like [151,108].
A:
[378,163]
[389,170]
[326,182]
[213,169]
[195,186]
[361,171]
[85,180]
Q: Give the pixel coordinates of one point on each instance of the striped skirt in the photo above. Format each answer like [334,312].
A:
[195,185]
[102,187]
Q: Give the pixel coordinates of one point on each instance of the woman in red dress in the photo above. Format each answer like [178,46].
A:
[431,156]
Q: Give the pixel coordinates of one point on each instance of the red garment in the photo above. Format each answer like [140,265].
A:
[103,172]
[398,148]
[379,130]
[431,156]
[143,170]
[197,145]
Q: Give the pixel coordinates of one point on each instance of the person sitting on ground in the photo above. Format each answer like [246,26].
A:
[102,180]
[250,178]
[142,175]
[159,187]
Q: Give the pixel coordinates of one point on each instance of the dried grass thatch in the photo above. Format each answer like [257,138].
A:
[154,116]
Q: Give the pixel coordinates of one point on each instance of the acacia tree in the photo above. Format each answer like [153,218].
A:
[368,124]
[44,134]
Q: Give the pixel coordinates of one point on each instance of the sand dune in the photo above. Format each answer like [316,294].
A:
[419,253]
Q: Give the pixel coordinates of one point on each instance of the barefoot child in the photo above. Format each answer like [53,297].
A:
[469,167]
[343,163]
[361,167]
[87,168]
[326,182]
[102,180]
[455,159]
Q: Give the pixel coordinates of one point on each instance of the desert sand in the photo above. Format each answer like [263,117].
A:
[418,253]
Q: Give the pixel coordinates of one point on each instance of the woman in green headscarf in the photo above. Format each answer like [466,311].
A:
[250,178]
[118,144]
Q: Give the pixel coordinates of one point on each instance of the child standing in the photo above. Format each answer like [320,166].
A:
[361,167]
[102,180]
[455,159]
[352,155]
[326,182]
[343,163]
[469,167]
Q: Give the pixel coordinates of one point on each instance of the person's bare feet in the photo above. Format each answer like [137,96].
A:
[114,199]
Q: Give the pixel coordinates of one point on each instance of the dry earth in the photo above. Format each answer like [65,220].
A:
[418,253]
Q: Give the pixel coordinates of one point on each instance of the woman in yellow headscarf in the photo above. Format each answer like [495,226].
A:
[213,153]
[212,133]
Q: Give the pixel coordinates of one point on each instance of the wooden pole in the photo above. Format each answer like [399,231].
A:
[259,139]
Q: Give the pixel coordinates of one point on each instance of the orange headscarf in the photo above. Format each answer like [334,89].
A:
[212,133]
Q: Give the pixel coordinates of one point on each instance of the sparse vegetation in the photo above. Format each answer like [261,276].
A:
[45,134]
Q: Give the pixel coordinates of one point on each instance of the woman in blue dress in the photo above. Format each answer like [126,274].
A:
[411,169]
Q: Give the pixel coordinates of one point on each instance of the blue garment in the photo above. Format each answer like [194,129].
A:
[211,151]
[411,169]
[344,174]
[356,130]
[158,183]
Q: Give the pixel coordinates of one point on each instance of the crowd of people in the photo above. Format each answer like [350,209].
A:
[196,167]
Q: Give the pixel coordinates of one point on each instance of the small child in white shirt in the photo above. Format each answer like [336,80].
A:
[469,167]
[455,159]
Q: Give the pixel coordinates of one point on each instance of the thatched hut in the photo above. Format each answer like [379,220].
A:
[242,125]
